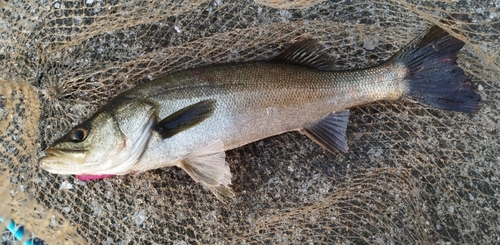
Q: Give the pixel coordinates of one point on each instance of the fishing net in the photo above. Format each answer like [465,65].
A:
[413,174]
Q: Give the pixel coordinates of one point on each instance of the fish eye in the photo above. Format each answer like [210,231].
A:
[79,134]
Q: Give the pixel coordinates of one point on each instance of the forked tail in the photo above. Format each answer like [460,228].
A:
[434,77]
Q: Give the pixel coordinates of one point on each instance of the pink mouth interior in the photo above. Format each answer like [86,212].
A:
[94,177]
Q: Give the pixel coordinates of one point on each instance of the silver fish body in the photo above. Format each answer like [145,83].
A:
[258,100]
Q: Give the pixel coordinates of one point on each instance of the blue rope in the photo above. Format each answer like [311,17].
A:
[18,232]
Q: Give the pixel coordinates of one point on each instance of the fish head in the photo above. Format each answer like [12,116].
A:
[110,142]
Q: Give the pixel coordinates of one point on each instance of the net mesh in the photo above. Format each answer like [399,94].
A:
[413,174]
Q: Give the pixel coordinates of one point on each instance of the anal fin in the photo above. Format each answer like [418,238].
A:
[330,131]
[209,167]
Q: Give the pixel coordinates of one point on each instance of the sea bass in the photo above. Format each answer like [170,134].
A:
[190,118]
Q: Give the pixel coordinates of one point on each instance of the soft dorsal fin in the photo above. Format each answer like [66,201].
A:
[330,131]
[185,118]
[307,52]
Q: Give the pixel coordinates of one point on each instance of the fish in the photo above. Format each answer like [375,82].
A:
[189,118]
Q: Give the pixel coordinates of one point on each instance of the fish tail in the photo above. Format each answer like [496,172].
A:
[433,75]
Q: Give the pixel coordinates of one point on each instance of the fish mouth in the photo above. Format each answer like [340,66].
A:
[62,161]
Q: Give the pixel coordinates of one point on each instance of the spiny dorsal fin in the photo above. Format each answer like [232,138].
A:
[330,131]
[185,118]
[307,52]
[208,166]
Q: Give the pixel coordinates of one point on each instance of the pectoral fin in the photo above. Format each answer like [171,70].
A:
[185,118]
[330,132]
[209,167]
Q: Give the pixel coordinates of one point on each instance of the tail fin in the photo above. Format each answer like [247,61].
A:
[434,77]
